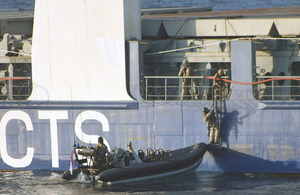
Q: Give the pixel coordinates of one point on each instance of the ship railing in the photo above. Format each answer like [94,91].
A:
[15,88]
[170,88]
[286,90]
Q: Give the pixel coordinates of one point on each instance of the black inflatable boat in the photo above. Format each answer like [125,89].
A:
[129,166]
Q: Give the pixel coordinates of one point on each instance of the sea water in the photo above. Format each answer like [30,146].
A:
[47,182]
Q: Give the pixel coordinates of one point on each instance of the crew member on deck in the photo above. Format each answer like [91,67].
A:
[100,153]
[218,75]
[186,70]
[218,85]
[210,118]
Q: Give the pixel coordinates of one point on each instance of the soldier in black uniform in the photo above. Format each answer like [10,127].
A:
[210,118]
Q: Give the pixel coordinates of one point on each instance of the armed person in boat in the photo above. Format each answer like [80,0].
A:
[187,83]
[100,154]
[213,131]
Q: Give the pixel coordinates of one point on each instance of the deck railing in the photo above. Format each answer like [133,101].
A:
[169,88]
[15,88]
[287,90]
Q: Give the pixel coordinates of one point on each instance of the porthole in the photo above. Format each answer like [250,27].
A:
[268,74]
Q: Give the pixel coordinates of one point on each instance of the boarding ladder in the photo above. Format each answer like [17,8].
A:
[218,99]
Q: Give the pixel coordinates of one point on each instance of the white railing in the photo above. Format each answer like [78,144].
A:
[278,89]
[15,88]
[200,88]
[170,88]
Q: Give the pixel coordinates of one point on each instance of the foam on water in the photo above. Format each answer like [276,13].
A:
[47,182]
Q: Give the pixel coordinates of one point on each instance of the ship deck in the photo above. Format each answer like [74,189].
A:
[278,12]
[15,14]
[18,22]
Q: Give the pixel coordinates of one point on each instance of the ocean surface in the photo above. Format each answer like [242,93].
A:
[47,182]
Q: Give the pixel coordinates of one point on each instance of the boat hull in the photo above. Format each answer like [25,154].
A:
[161,168]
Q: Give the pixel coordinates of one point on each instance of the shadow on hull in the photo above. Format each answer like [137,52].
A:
[231,161]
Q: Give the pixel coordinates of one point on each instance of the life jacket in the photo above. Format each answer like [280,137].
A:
[100,152]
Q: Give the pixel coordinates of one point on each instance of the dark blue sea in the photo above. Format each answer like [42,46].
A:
[47,182]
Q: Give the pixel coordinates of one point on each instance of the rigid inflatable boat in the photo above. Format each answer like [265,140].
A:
[125,166]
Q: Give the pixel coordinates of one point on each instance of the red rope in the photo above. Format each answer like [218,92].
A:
[14,78]
[253,83]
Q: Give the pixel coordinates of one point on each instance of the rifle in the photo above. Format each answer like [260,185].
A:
[207,115]
[208,123]
[208,129]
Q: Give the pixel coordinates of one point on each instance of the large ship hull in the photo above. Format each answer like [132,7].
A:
[43,138]
[93,81]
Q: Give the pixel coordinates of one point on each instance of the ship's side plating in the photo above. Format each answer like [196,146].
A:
[88,83]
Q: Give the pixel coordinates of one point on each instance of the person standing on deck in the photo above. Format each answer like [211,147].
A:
[210,118]
[186,70]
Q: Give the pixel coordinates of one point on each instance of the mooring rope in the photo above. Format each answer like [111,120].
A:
[253,83]
[13,78]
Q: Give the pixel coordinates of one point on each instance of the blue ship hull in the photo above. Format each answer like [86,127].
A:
[254,140]
[62,104]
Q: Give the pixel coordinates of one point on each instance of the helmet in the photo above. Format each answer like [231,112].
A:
[185,62]
[100,140]
[205,110]
[220,72]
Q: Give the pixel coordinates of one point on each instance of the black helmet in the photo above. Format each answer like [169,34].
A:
[205,110]
[100,140]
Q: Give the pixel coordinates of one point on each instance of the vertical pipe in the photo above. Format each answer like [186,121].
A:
[220,117]
[146,89]
[192,89]
[213,96]
[272,89]
[10,82]
[166,81]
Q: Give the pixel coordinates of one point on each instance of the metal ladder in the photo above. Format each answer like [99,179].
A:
[218,101]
